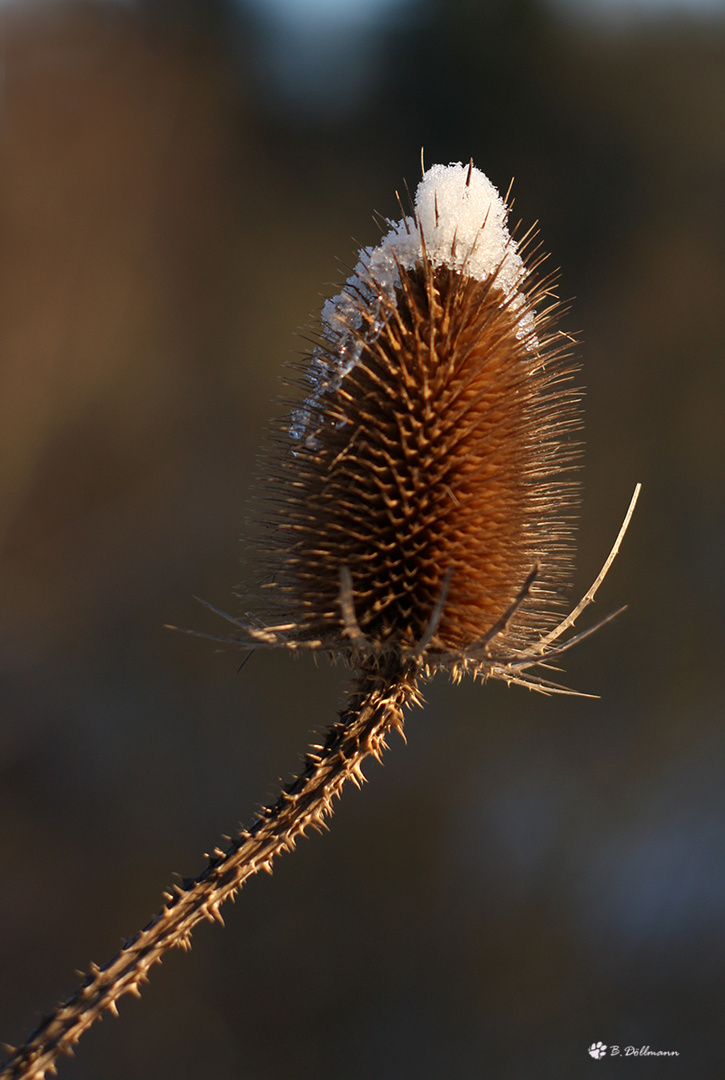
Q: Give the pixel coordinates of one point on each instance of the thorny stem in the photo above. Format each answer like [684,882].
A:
[375,709]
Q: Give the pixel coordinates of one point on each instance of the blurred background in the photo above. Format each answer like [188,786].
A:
[180,185]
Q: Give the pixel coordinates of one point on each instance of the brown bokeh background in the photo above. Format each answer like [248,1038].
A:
[527,875]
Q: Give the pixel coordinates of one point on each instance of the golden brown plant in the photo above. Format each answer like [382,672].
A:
[417,513]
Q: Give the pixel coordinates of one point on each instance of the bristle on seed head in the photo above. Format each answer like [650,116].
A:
[419,501]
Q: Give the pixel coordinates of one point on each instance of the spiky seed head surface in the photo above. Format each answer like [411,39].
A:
[428,472]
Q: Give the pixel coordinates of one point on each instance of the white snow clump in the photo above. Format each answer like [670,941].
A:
[463,221]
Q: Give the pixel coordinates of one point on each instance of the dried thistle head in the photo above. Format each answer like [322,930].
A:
[418,503]
[418,510]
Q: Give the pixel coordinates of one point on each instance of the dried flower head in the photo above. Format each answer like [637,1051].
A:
[418,511]
[419,502]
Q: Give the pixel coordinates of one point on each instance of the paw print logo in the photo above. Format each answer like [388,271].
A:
[597,1050]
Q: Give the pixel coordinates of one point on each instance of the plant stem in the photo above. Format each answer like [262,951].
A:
[376,705]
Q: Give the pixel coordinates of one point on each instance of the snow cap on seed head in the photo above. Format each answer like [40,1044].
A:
[460,222]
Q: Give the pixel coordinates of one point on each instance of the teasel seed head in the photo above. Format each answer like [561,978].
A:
[419,502]
[418,514]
